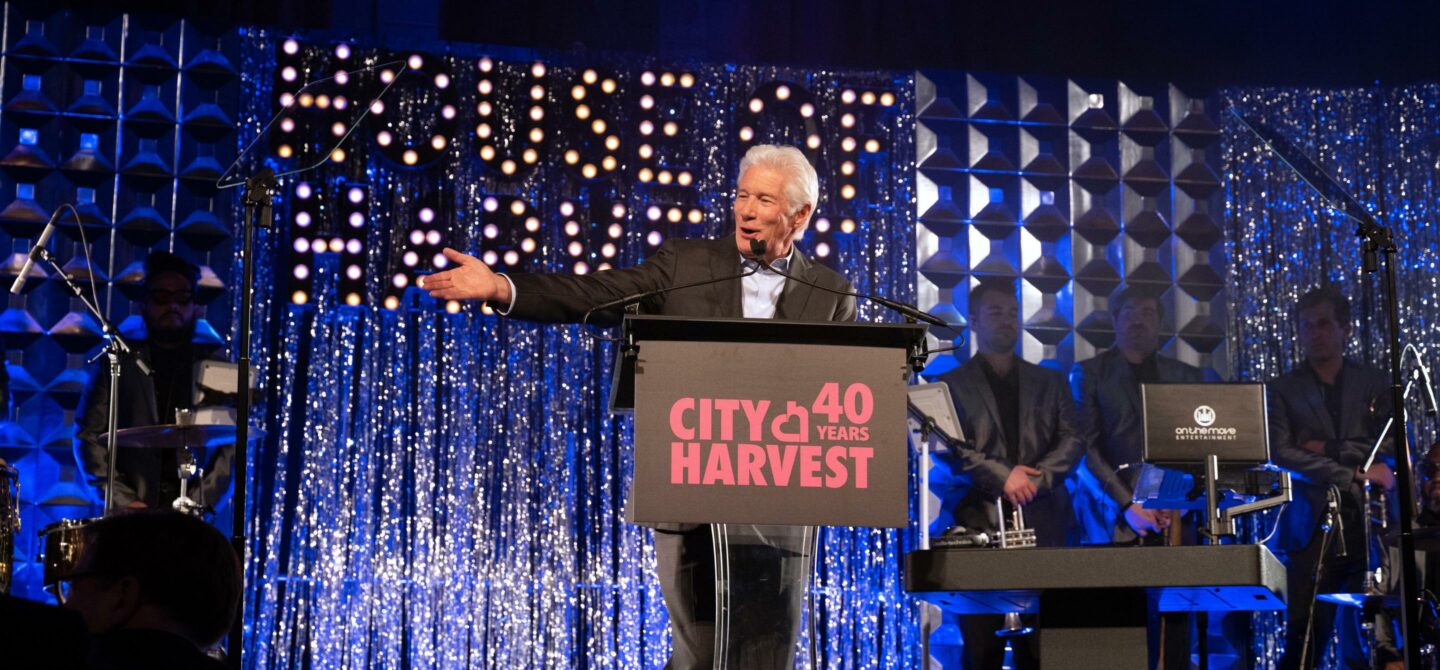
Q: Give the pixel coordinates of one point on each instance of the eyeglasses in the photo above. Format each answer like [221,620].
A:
[163,297]
[66,585]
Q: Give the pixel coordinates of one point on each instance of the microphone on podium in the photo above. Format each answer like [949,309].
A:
[757,249]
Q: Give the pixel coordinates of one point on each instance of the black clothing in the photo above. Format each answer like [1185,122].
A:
[143,649]
[684,562]
[1007,400]
[146,475]
[1347,418]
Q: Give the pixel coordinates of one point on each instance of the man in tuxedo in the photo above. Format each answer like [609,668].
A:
[774,199]
[1111,425]
[1325,416]
[1019,416]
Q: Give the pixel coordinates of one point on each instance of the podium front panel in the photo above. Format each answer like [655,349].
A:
[770,433]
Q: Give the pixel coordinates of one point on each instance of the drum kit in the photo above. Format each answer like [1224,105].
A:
[64,540]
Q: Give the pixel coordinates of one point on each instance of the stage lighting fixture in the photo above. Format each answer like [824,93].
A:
[342,51]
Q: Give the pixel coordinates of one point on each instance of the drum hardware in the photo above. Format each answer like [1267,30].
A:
[64,541]
[9,524]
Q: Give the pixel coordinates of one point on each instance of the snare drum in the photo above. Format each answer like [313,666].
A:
[64,541]
[9,523]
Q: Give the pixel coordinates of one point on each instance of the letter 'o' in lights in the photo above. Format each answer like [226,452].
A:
[418,139]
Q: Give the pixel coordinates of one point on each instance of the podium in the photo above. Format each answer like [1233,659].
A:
[766,430]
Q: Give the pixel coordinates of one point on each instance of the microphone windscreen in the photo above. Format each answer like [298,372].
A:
[757,248]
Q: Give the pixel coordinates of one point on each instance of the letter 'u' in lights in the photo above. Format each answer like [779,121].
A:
[329,219]
[502,86]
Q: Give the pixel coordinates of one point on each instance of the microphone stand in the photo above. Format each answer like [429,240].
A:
[259,197]
[115,347]
[918,354]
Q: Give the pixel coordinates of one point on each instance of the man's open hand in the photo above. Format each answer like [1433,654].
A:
[470,279]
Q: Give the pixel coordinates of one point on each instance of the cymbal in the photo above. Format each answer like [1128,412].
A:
[1361,599]
[1427,538]
[171,436]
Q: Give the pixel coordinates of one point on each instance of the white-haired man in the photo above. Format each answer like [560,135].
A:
[774,200]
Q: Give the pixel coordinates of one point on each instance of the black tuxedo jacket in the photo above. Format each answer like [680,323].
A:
[1111,422]
[1048,443]
[1112,426]
[1298,414]
[566,298]
[138,471]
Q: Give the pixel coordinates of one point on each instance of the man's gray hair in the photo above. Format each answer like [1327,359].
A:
[802,185]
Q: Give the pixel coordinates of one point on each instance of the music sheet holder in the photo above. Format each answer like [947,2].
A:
[1202,427]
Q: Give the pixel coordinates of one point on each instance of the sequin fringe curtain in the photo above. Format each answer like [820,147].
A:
[1381,144]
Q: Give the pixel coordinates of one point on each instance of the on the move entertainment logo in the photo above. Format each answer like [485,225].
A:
[1204,428]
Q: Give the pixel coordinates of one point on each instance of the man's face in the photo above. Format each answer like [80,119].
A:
[169,304]
[1322,336]
[1137,325]
[761,212]
[996,322]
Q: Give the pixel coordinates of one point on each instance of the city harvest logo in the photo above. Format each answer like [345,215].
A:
[1204,416]
[1205,428]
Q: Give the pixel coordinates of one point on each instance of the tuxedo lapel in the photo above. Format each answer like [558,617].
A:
[1120,376]
[979,385]
[1031,383]
[724,262]
[796,296]
[1315,400]
[1353,407]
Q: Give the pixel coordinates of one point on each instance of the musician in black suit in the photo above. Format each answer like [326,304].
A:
[147,477]
[776,195]
[1019,417]
[1111,424]
[1325,416]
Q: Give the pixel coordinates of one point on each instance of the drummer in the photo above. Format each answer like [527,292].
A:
[147,477]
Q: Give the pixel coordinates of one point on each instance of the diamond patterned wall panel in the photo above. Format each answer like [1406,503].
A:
[1071,190]
[119,115]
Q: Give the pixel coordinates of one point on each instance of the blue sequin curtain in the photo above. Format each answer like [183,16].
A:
[445,488]
[1382,145]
